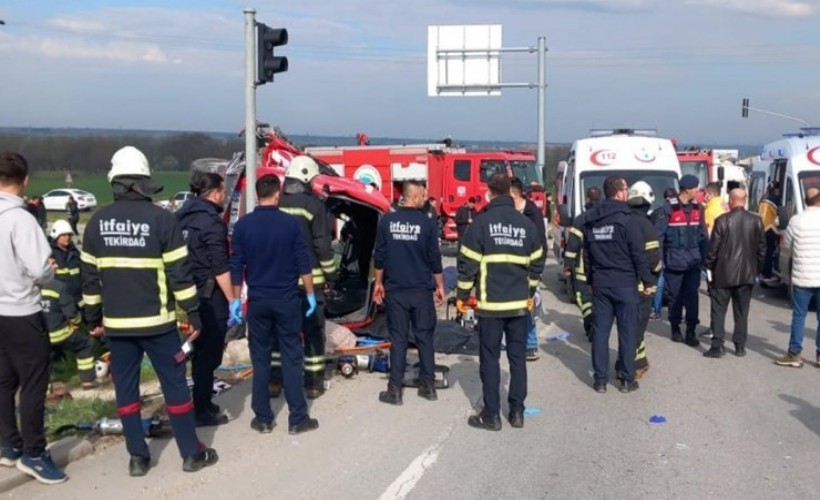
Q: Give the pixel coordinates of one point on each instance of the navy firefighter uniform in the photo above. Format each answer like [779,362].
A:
[615,260]
[685,243]
[62,319]
[269,251]
[207,237]
[298,200]
[407,252]
[134,276]
[574,262]
[502,257]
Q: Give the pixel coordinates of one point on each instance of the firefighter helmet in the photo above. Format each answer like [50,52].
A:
[59,228]
[129,161]
[302,168]
[641,194]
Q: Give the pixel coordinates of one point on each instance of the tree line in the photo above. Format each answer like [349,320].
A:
[92,153]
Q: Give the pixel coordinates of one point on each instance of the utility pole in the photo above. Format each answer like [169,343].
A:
[250,110]
[542,87]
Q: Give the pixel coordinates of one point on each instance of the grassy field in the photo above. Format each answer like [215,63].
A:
[97,184]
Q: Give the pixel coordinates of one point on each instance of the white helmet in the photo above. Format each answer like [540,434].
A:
[302,168]
[59,228]
[642,190]
[128,161]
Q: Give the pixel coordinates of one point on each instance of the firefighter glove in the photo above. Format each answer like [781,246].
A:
[461,306]
[311,298]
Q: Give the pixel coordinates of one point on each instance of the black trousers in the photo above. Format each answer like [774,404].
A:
[741,297]
[313,334]
[490,331]
[405,309]
[682,287]
[73,222]
[611,304]
[25,356]
[208,347]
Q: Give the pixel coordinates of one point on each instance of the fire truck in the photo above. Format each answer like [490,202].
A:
[637,155]
[713,165]
[452,174]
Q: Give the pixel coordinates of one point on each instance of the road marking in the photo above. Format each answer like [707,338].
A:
[407,480]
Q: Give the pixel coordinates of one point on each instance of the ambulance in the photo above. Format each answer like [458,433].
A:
[637,155]
[793,162]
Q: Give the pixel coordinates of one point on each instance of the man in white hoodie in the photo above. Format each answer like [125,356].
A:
[24,345]
[802,236]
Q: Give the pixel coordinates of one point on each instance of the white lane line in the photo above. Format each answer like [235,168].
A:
[407,480]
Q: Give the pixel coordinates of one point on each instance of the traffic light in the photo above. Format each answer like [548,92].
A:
[267,63]
[744,113]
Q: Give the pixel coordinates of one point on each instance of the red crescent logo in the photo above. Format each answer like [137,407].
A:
[602,158]
[812,155]
[645,157]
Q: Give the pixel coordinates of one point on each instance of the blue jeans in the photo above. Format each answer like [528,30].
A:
[801,297]
[657,302]
[532,338]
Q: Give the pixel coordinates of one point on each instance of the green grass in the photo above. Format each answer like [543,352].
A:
[72,411]
[97,184]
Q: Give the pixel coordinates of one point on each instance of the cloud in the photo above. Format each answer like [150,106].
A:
[772,8]
[597,5]
[78,49]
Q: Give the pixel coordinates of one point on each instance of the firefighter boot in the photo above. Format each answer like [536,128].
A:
[427,390]
[676,334]
[391,396]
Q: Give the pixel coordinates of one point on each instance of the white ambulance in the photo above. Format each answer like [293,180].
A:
[637,155]
[794,164]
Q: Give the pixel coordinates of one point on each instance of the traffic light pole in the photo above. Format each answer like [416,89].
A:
[250,110]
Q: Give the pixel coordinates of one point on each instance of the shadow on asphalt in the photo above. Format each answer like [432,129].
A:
[805,412]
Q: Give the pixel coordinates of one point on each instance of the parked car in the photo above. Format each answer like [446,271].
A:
[56,199]
[175,202]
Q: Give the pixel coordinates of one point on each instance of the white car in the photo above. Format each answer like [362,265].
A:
[57,199]
[175,202]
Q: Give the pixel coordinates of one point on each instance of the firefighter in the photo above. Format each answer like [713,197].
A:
[680,225]
[270,254]
[207,237]
[641,198]
[502,257]
[299,201]
[134,274]
[574,262]
[62,320]
[615,260]
[67,256]
[407,260]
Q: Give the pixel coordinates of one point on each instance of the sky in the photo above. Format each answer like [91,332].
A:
[678,66]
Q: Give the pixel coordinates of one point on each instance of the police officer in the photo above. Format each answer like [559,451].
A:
[408,269]
[299,201]
[134,275]
[641,198]
[207,237]
[574,262]
[62,320]
[67,256]
[502,257]
[270,253]
[615,262]
[681,228]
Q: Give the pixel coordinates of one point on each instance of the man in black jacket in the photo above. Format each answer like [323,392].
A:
[464,217]
[737,251]
[614,254]
[574,262]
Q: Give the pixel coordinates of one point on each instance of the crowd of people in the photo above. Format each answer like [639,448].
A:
[141,267]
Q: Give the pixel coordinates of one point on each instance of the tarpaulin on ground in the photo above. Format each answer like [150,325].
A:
[450,337]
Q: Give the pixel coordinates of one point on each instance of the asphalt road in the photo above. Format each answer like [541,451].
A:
[735,428]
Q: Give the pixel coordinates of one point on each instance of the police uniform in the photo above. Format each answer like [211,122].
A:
[615,260]
[407,251]
[502,257]
[207,237]
[685,243]
[574,260]
[134,275]
[62,320]
[311,212]
[270,253]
